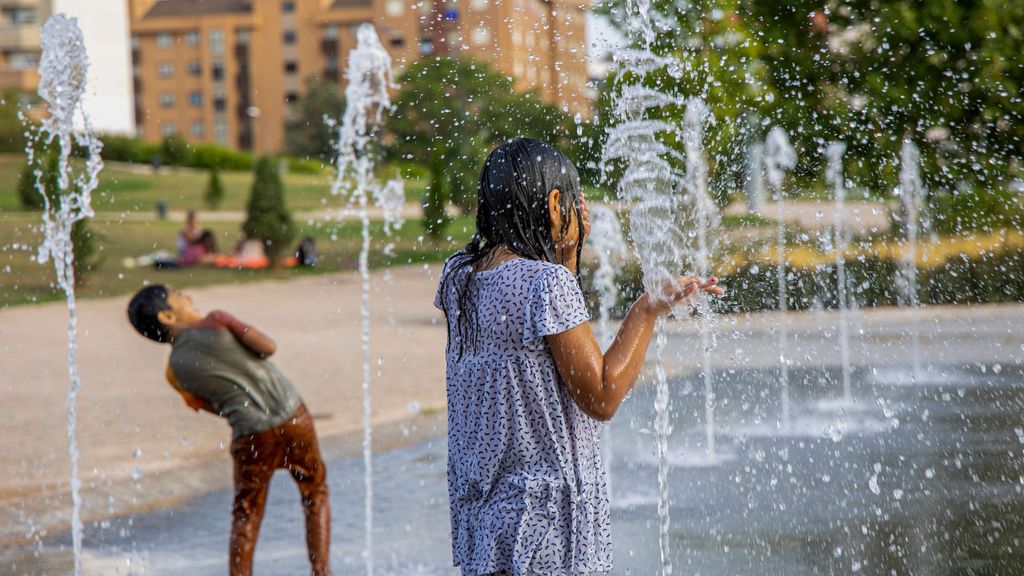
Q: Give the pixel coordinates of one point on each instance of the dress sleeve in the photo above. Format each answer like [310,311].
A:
[554,304]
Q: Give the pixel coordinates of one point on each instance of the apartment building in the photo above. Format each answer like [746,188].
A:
[231,71]
[20,47]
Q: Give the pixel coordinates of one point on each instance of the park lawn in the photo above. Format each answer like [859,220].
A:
[24,281]
[135,188]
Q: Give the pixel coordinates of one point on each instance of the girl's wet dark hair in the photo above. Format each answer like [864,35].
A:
[512,210]
[142,311]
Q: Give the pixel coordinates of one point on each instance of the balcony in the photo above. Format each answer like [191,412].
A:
[24,37]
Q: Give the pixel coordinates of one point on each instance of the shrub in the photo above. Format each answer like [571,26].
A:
[175,151]
[214,190]
[268,218]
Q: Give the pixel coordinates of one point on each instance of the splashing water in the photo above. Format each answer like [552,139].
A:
[366,96]
[63,69]
[701,215]
[755,178]
[779,159]
[834,175]
[609,247]
[912,197]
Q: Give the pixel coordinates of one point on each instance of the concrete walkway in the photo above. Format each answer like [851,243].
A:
[134,430]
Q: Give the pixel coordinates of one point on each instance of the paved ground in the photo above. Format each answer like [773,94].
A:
[141,448]
[140,445]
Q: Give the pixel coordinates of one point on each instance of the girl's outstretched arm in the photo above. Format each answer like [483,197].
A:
[598,383]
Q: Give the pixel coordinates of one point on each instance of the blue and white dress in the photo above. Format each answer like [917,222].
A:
[526,483]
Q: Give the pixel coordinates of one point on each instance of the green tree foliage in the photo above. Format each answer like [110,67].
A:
[306,135]
[947,74]
[83,241]
[268,219]
[450,113]
[12,132]
[174,150]
[28,195]
[214,190]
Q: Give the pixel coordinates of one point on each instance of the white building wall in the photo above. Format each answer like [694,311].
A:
[104,24]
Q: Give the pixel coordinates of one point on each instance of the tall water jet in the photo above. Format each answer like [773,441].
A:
[755,178]
[700,214]
[609,246]
[648,184]
[834,176]
[912,198]
[63,69]
[779,159]
[366,99]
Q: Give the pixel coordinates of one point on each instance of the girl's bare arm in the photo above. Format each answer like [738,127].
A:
[598,383]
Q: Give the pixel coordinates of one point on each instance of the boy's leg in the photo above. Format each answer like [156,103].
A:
[254,463]
[302,459]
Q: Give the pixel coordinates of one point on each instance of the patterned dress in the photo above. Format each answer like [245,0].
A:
[526,483]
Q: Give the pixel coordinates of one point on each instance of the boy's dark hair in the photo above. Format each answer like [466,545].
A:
[512,210]
[144,307]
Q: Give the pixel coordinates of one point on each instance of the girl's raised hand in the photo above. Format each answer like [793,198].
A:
[680,293]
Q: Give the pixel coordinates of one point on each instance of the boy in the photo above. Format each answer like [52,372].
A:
[219,364]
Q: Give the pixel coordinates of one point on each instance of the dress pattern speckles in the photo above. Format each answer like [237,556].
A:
[526,483]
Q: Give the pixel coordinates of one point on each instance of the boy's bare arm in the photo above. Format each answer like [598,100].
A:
[253,339]
[192,401]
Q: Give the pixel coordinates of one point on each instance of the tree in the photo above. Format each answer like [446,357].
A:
[214,189]
[174,150]
[83,241]
[12,131]
[306,134]
[28,195]
[268,219]
[450,113]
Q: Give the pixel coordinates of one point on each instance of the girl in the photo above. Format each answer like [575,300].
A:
[527,383]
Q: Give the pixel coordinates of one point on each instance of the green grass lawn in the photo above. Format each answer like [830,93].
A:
[134,188]
[24,281]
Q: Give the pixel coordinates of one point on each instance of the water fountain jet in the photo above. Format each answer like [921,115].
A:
[779,159]
[912,198]
[834,175]
[63,70]
[366,96]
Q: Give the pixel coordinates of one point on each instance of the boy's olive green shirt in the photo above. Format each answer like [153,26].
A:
[211,364]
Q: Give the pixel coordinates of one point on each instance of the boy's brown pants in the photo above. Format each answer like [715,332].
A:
[293,447]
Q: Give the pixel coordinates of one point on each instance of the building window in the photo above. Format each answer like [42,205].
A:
[192,38]
[481,35]
[291,67]
[195,68]
[20,16]
[135,42]
[289,37]
[195,99]
[217,71]
[478,4]
[23,61]
[220,132]
[220,103]
[395,7]
[331,32]
[198,129]
[288,6]
[164,40]
[167,100]
[397,41]
[166,69]
[242,36]
[216,40]
[168,129]
[291,98]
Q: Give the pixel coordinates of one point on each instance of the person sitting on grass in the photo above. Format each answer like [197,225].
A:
[219,364]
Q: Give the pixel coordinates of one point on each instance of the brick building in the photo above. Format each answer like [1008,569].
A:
[229,71]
